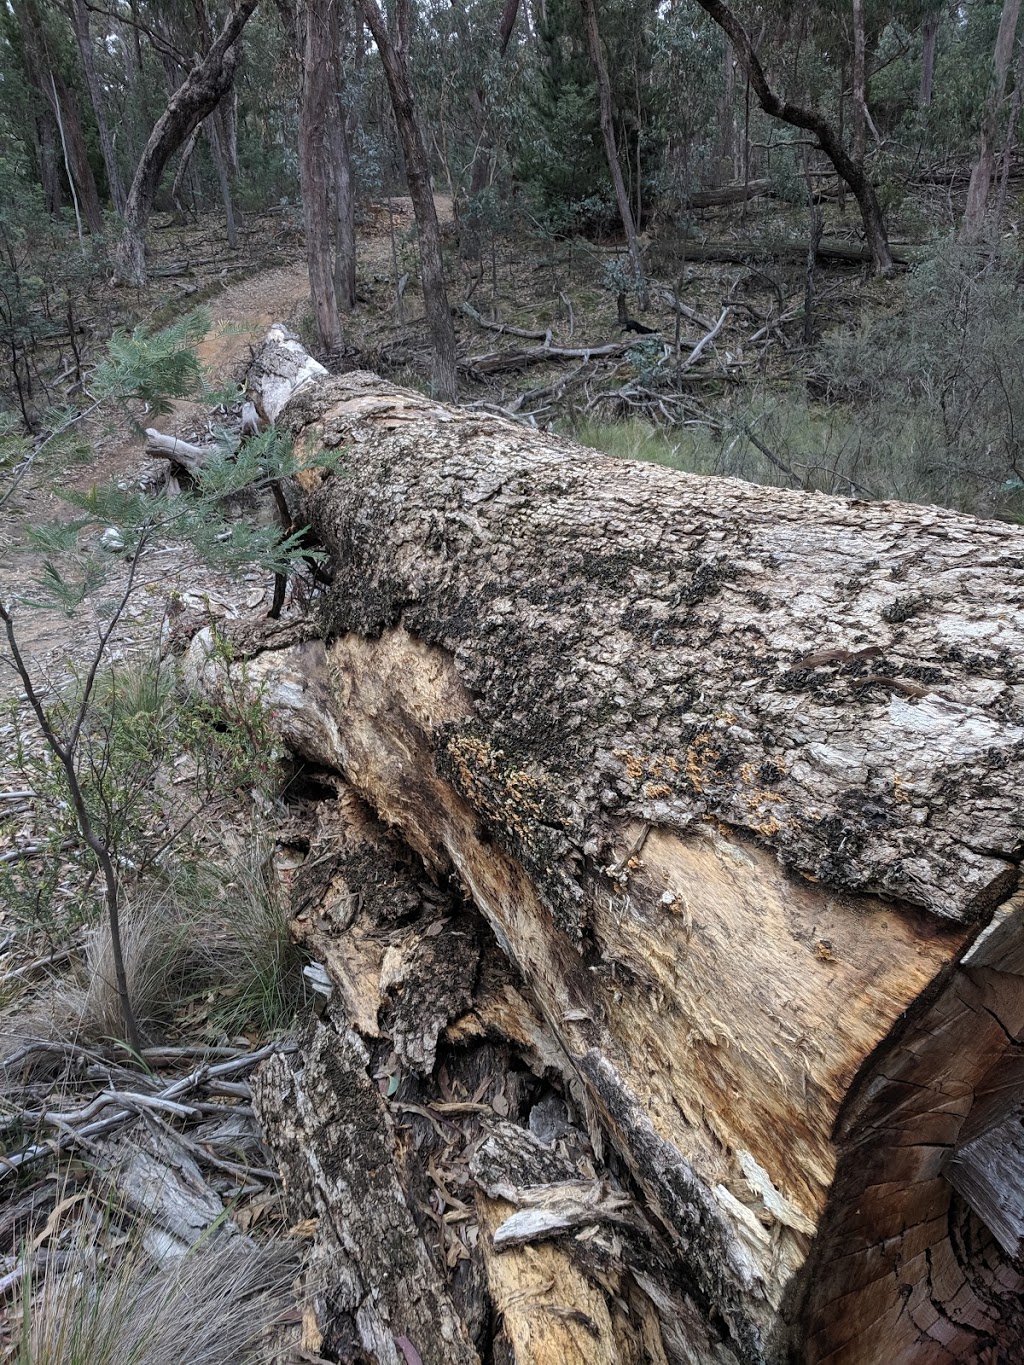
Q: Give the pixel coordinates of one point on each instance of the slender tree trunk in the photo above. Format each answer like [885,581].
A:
[184,163]
[199,93]
[80,21]
[930,36]
[69,122]
[476,96]
[1011,137]
[46,139]
[317,114]
[394,55]
[342,125]
[227,113]
[860,106]
[52,92]
[797,116]
[727,120]
[604,96]
[220,162]
[344,207]
[981,176]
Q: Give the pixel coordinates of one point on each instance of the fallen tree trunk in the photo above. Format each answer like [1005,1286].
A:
[737,253]
[701,813]
[727,194]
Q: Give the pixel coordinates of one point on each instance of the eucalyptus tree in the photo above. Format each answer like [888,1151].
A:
[827,134]
[79,14]
[59,137]
[393,47]
[981,176]
[199,93]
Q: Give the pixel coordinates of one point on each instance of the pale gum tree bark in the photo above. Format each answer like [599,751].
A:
[604,97]
[1016,105]
[393,48]
[829,139]
[733,777]
[981,176]
[342,128]
[199,93]
[860,107]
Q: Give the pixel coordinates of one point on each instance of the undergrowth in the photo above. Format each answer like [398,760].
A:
[212,1306]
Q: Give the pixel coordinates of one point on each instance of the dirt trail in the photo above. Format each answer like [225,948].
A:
[239,316]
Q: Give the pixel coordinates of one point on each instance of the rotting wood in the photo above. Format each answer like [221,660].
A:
[784,1010]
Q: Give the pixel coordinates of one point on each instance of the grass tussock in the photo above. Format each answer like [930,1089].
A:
[213,1306]
[212,938]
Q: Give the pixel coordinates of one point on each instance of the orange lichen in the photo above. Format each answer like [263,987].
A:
[503,794]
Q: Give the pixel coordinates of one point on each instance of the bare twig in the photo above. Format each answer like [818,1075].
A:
[704,343]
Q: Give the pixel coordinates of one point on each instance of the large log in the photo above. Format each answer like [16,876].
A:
[734,777]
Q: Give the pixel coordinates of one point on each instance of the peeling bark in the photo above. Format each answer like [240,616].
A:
[700,805]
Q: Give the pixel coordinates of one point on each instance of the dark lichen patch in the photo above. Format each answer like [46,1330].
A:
[706,579]
[904,608]
[639,620]
[872,810]
[371,610]
[795,680]
[924,673]
[611,567]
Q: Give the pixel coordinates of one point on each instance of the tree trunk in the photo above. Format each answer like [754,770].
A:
[930,36]
[860,104]
[69,120]
[80,22]
[46,138]
[829,140]
[199,93]
[981,176]
[726,171]
[317,53]
[1016,105]
[476,96]
[184,162]
[688,941]
[342,128]
[604,96]
[221,164]
[394,56]
[44,75]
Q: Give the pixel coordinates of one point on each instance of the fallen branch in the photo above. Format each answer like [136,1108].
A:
[80,1126]
[481,321]
[184,453]
[704,343]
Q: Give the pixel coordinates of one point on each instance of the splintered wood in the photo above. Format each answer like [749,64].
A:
[697,807]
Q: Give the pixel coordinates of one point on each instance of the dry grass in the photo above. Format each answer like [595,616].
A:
[214,936]
[213,1306]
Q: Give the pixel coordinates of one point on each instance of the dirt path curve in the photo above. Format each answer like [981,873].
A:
[239,317]
[53,643]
